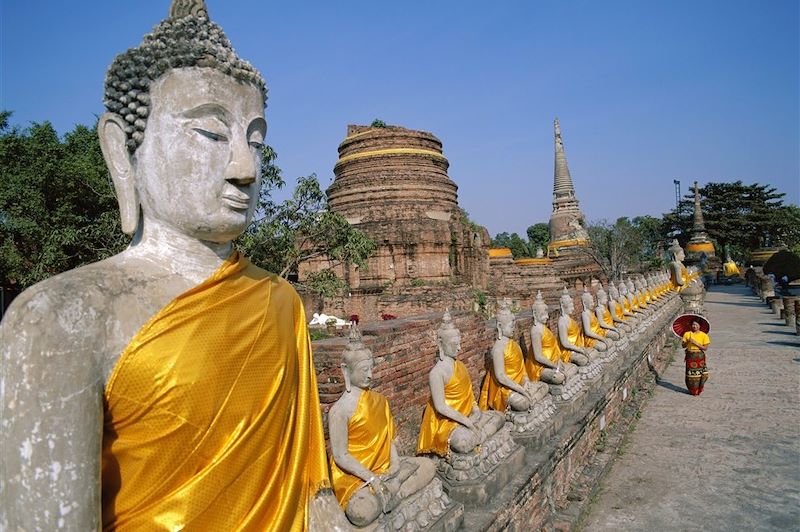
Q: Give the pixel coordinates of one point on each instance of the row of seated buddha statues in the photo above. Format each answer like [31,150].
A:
[469,447]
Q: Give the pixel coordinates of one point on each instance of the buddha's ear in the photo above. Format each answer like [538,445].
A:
[346,374]
[111,130]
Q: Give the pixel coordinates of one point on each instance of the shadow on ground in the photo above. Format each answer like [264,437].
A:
[669,386]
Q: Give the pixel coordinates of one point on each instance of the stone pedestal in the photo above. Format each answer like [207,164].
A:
[776,304]
[789,309]
[429,509]
[797,317]
[473,478]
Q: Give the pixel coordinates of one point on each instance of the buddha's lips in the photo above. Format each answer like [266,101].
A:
[237,202]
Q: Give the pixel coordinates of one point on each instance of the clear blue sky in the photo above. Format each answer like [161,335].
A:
[646,92]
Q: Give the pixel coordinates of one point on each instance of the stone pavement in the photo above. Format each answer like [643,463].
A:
[728,459]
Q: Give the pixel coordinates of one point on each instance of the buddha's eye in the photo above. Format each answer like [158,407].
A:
[257,145]
[216,137]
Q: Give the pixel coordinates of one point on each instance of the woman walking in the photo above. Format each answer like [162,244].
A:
[695,343]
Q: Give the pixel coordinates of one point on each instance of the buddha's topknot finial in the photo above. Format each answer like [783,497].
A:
[185,8]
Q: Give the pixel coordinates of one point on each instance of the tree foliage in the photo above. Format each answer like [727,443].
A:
[518,245]
[301,228]
[57,208]
[784,263]
[538,237]
[740,217]
[627,245]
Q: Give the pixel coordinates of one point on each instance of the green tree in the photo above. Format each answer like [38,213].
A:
[518,245]
[538,237]
[626,246]
[57,209]
[301,228]
[742,217]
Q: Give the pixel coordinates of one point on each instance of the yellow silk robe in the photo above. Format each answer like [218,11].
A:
[607,317]
[370,433]
[434,433]
[684,278]
[595,326]
[494,396]
[620,314]
[551,351]
[212,418]
[575,335]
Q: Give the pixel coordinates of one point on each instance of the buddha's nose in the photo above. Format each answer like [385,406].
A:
[241,169]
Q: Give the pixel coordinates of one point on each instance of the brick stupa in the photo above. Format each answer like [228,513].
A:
[392,184]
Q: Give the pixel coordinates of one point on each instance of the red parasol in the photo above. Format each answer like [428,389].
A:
[683,324]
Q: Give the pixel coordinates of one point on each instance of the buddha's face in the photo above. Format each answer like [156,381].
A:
[540,313]
[567,306]
[602,298]
[588,301]
[198,168]
[359,369]
[506,326]
[450,343]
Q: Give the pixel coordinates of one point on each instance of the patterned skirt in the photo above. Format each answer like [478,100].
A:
[696,372]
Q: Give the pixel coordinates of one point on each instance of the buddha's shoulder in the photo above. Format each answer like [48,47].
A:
[76,300]
[281,290]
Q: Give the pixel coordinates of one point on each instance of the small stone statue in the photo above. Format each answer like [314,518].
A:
[368,476]
[604,316]
[506,385]
[569,332]
[679,274]
[594,335]
[548,363]
[452,419]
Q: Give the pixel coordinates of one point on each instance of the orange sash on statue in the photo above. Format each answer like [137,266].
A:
[494,396]
[434,433]
[213,419]
[550,349]
[370,432]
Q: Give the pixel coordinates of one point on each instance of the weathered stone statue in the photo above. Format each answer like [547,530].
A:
[369,478]
[452,419]
[604,316]
[570,335]
[507,386]
[549,363]
[679,274]
[475,449]
[593,334]
[154,373]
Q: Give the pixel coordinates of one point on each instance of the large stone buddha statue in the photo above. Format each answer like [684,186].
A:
[506,384]
[452,419]
[369,477]
[170,386]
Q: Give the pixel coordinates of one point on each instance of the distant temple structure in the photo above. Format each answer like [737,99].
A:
[569,238]
[699,249]
[392,184]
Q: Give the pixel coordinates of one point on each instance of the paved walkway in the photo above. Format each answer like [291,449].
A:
[728,459]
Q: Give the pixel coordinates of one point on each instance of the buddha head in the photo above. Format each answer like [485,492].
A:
[613,291]
[567,305]
[184,129]
[676,251]
[505,319]
[357,362]
[587,299]
[448,338]
[540,311]
[602,297]
[631,287]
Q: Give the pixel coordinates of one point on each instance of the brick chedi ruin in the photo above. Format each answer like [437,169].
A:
[569,238]
[392,184]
